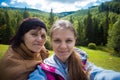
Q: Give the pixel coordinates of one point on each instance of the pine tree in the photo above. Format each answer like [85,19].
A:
[51,19]
[106,28]
[88,28]
[8,30]
[114,38]
[26,13]
[80,34]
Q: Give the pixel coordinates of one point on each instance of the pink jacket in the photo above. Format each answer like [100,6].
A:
[50,72]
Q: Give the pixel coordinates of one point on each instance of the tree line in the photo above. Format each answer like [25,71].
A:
[98,25]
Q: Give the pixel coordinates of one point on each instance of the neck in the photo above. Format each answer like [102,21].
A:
[62,59]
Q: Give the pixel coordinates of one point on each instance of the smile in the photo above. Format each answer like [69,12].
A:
[63,51]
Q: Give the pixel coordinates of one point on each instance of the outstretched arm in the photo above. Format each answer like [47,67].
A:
[95,72]
[98,73]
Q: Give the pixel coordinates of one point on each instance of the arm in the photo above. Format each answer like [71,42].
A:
[98,73]
[37,74]
[95,72]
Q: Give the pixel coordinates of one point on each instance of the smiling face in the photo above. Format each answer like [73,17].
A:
[35,39]
[63,42]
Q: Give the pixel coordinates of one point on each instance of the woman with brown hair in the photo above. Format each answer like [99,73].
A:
[65,64]
[68,62]
[26,50]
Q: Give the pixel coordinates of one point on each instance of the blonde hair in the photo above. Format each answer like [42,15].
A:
[75,66]
[62,24]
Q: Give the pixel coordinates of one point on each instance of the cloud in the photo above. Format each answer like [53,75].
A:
[58,5]
[4,4]
[37,4]
[64,1]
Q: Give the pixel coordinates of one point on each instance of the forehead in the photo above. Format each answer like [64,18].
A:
[42,30]
[63,33]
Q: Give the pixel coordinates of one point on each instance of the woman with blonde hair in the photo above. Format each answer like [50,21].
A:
[68,62]
[65,63]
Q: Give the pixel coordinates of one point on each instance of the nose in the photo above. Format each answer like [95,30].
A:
[63,45]
[39,38]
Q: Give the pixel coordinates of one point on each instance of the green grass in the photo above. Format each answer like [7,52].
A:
[3,49]
[100,57]
[103,59]
[51,52]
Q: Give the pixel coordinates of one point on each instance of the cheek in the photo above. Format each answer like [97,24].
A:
[71,47]
[73,44]
[54,46]
[27,41]
[44,40]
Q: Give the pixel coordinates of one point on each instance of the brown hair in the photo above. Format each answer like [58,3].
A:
[75,66]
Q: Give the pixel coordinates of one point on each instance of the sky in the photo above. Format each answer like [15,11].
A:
[56,5]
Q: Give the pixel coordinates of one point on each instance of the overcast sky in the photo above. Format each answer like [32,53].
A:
[56,5]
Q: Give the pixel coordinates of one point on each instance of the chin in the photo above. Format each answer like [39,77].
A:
[36,51]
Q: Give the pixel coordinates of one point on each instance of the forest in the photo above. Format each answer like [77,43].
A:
[97,24]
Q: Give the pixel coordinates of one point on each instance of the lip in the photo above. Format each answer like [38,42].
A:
[63,51]
[38,44]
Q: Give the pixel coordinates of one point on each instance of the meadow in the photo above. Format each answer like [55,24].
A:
[103,59]
[3,49]
[98,57]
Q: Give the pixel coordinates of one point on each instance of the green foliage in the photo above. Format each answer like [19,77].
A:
[47,44]
[64,14]
[51,19]
[114,38]
[97,32]
[26,14]
[88,23]
[71,19]
[92,25]
[80,33]
[92,46]
[113,6]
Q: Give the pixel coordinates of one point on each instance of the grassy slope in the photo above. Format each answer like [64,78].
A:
[103,59]
[3,49]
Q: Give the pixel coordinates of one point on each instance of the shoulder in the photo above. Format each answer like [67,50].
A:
[43,72]
[51,61]
[51,72]
[82,53]
[38,73]
[10,57]
[47,67]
